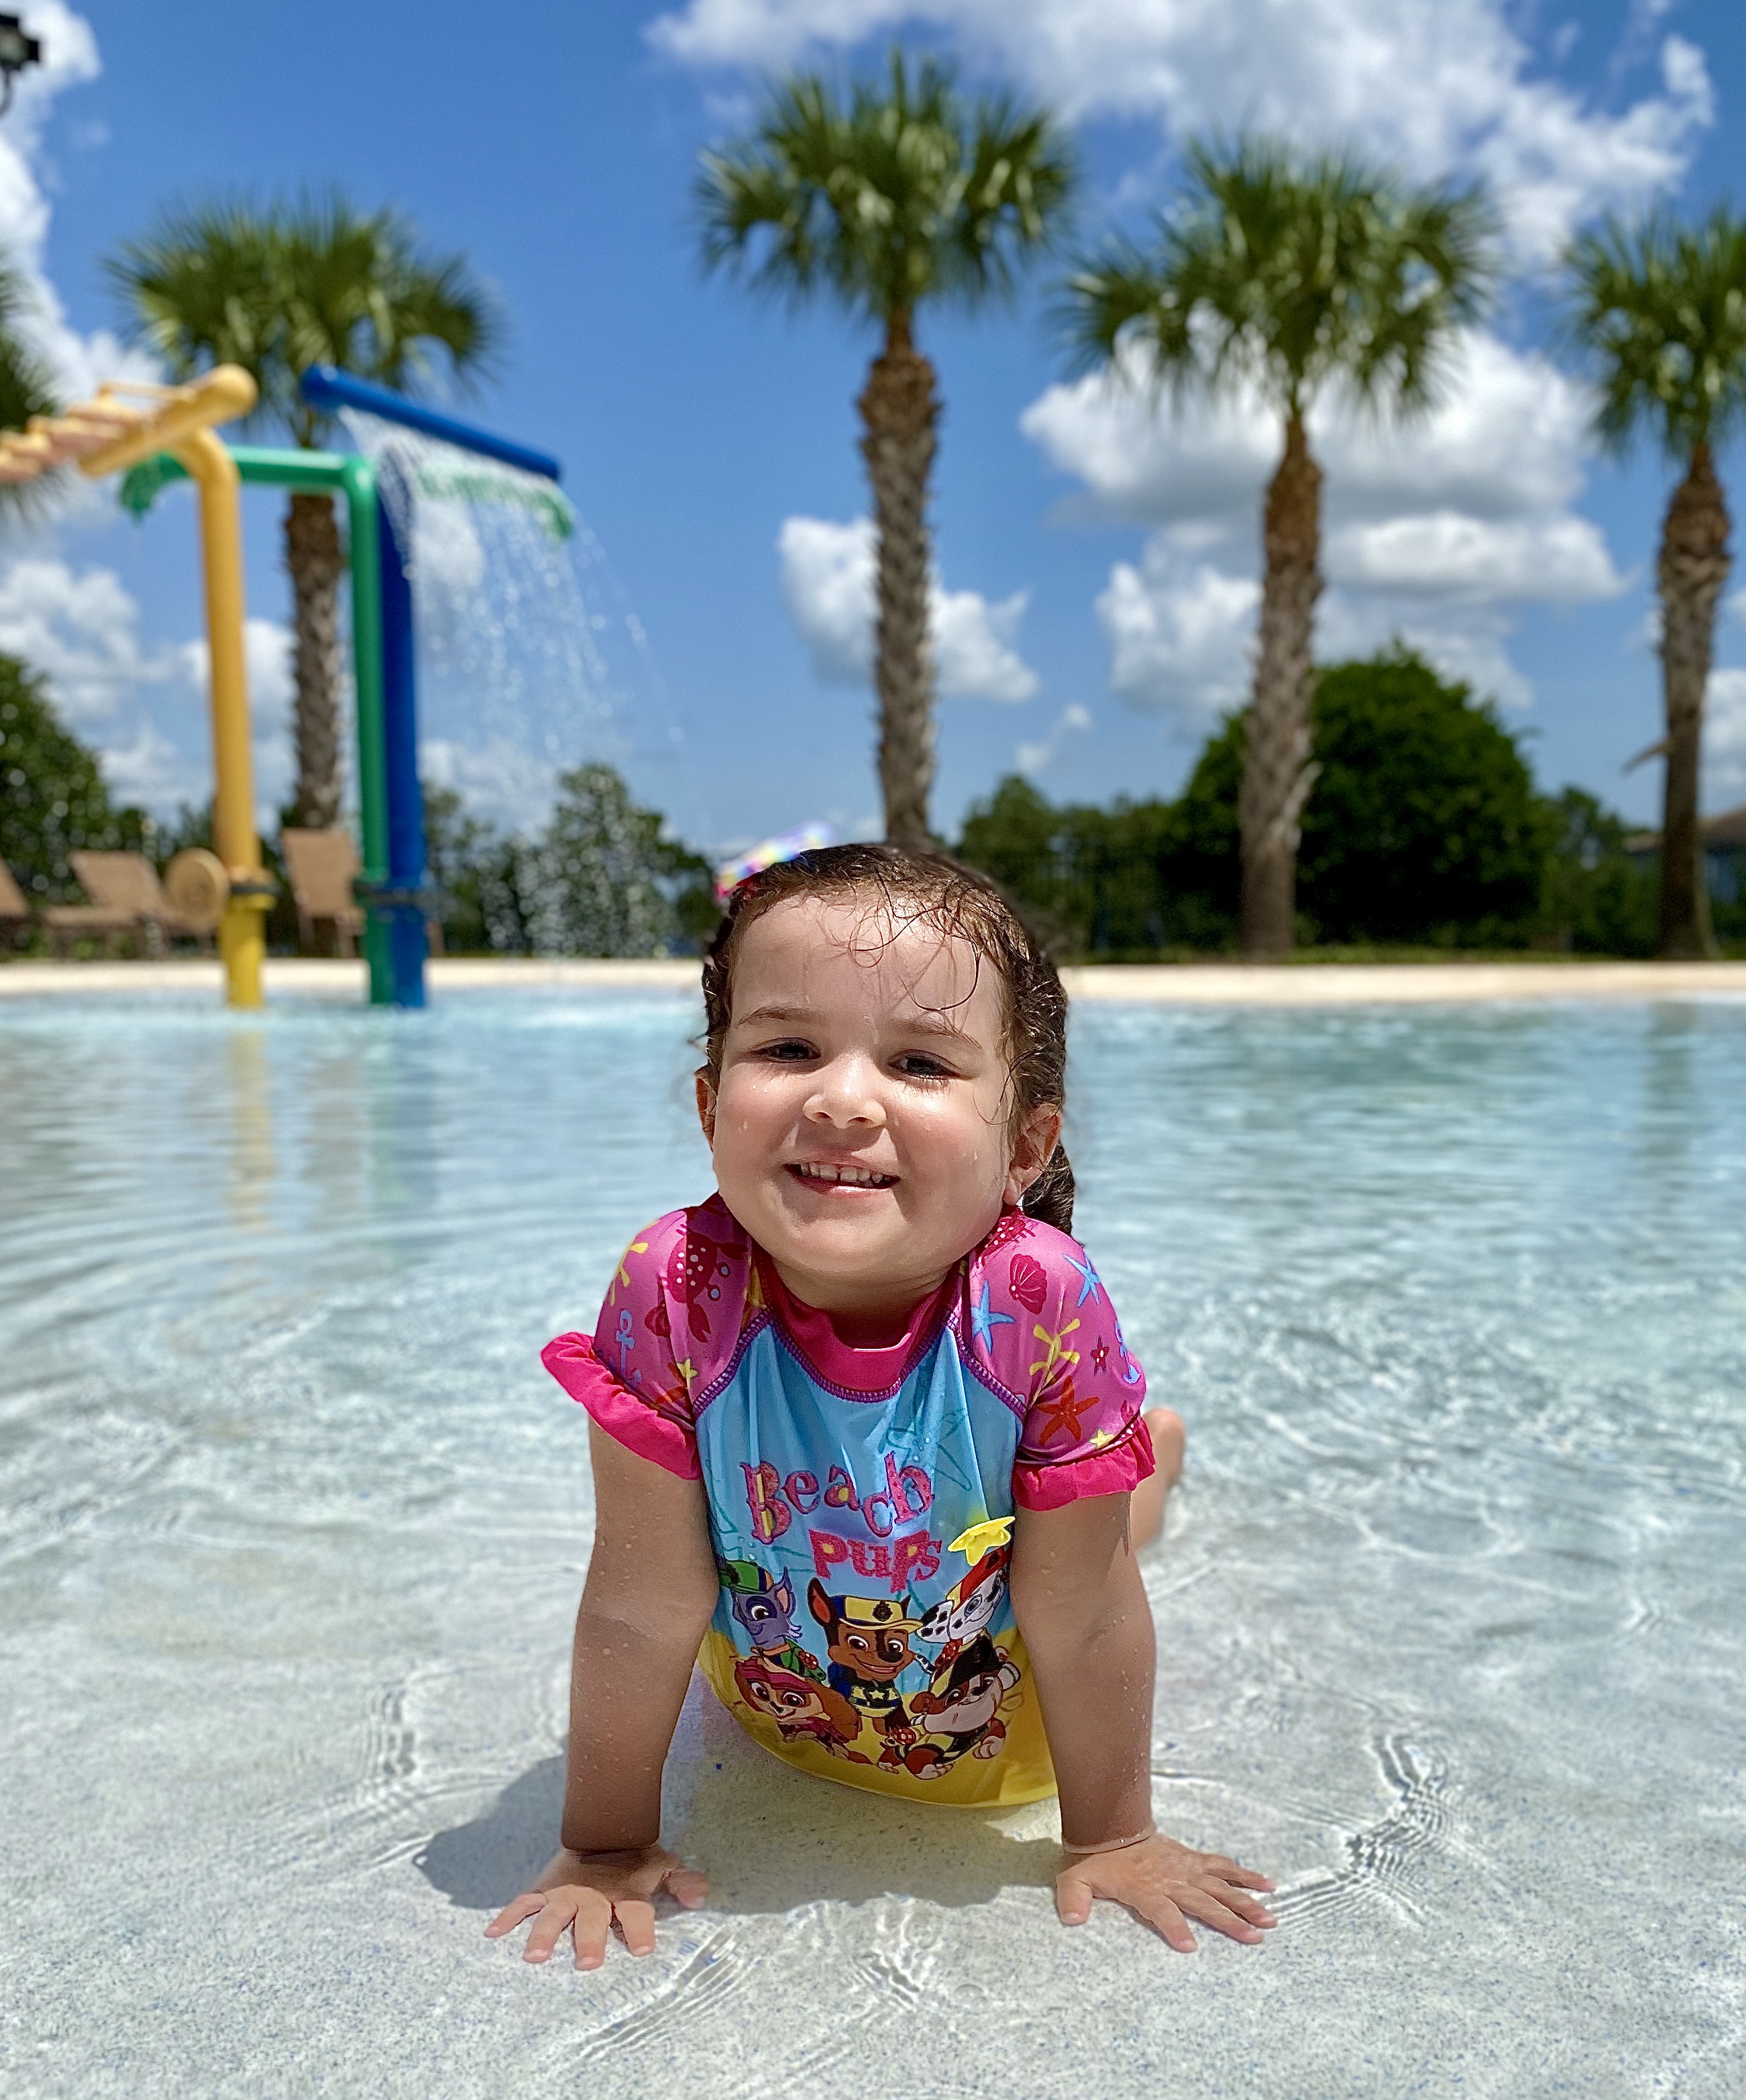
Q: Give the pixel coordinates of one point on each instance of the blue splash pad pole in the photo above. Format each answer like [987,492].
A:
[401,902]
[404,900]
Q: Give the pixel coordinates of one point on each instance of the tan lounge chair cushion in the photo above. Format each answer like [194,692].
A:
[321,866]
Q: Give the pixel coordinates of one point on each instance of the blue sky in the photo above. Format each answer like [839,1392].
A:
[1096,561]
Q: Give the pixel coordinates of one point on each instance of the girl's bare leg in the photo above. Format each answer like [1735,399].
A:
[1146,1511]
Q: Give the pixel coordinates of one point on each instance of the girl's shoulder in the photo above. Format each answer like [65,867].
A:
[686,1279]
[1036,1301]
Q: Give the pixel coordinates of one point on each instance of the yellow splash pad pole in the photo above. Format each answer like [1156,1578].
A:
[181,424]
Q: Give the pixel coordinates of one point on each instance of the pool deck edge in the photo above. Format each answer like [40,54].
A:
[1151,984]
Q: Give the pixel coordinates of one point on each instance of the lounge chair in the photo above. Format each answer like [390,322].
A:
[127,899]
[14,907]
[321,866]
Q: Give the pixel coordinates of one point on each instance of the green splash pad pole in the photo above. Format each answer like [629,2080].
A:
[355,477]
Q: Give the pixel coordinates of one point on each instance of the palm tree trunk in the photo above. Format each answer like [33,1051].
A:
[1692,570]
[1278,773]
[900,411]
[316,561]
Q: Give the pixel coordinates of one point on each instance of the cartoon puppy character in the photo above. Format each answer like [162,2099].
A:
[763,1604]
[963,1705]
[968,1607]
[868,1642]
[802,1710]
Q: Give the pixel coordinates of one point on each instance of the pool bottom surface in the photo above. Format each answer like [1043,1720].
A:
[292,1529]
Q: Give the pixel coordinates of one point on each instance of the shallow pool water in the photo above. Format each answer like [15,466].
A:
[292,1526]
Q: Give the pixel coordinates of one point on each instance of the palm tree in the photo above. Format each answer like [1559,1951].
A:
[27,384]
[899,193]
[276,290]
[1289,274]
[1662,312]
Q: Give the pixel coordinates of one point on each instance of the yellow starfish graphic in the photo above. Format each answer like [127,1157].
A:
[636,1247]
[1054,1353]
[982,1537]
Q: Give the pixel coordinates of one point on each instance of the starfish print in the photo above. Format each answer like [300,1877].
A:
[983,1322]
[1100,1355]
[1088,1279]
[636,1247]
[687,1370]
[1054,1352]
[1062,1414]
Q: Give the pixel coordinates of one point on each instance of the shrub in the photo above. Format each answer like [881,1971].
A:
[53,798]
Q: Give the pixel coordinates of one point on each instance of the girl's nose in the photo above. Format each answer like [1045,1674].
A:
[846,1095]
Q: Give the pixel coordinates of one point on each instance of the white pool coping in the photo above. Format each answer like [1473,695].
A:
[1160,984]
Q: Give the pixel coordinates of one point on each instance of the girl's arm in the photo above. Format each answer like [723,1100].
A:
[651,1587]
[1081,1608]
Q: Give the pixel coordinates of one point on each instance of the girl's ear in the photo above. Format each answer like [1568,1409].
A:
[1032,1147]
[706,1105]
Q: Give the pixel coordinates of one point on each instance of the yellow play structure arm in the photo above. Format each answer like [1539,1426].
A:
[181,424]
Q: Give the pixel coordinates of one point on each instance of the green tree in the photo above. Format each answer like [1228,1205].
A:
[1600,899]
[1426,826]
[276,289]
[1660,311]
[53,798]
[1292,276]
[607,878]
[1089,880]
[897,196]
[463,857]
[27,385]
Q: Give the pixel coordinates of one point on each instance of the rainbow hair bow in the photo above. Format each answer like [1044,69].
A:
[731,873]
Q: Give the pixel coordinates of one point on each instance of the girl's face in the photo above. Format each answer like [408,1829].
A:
[861,1133]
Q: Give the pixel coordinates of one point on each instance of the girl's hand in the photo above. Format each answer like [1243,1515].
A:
[586,1895]
[1164,1885]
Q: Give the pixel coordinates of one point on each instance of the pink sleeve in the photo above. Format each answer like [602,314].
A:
[673,1309]
[1044,1324]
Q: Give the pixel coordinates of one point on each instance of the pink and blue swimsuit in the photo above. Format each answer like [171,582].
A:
[861,1499]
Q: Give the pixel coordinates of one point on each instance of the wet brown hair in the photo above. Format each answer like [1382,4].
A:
[935,891]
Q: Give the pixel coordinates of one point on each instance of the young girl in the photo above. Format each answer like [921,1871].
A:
[867,1443]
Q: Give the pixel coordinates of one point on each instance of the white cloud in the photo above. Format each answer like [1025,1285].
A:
[1039,761]
[1557,560]
[70,58]
[1724,739]
[1431,84]
[81,631]
[1506,439]
[266,655]
[1440,529]
[828,578]
[1178,634]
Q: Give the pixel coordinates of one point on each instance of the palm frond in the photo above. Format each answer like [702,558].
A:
[893,191]
[1287,271]
[279,286]
[1659,309]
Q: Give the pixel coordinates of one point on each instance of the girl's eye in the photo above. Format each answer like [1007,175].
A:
[787,1053]
[918,1065]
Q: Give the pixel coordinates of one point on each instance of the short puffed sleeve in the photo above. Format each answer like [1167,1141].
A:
[1043,1322]
[672,1311]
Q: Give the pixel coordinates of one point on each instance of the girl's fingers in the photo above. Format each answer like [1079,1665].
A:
[686,1886]
[1073,1900]
[1168,1921]
[512,1914]
[555,1913]
[1245,1878]
[593,1922]
[1210,1911]
[636,1922]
